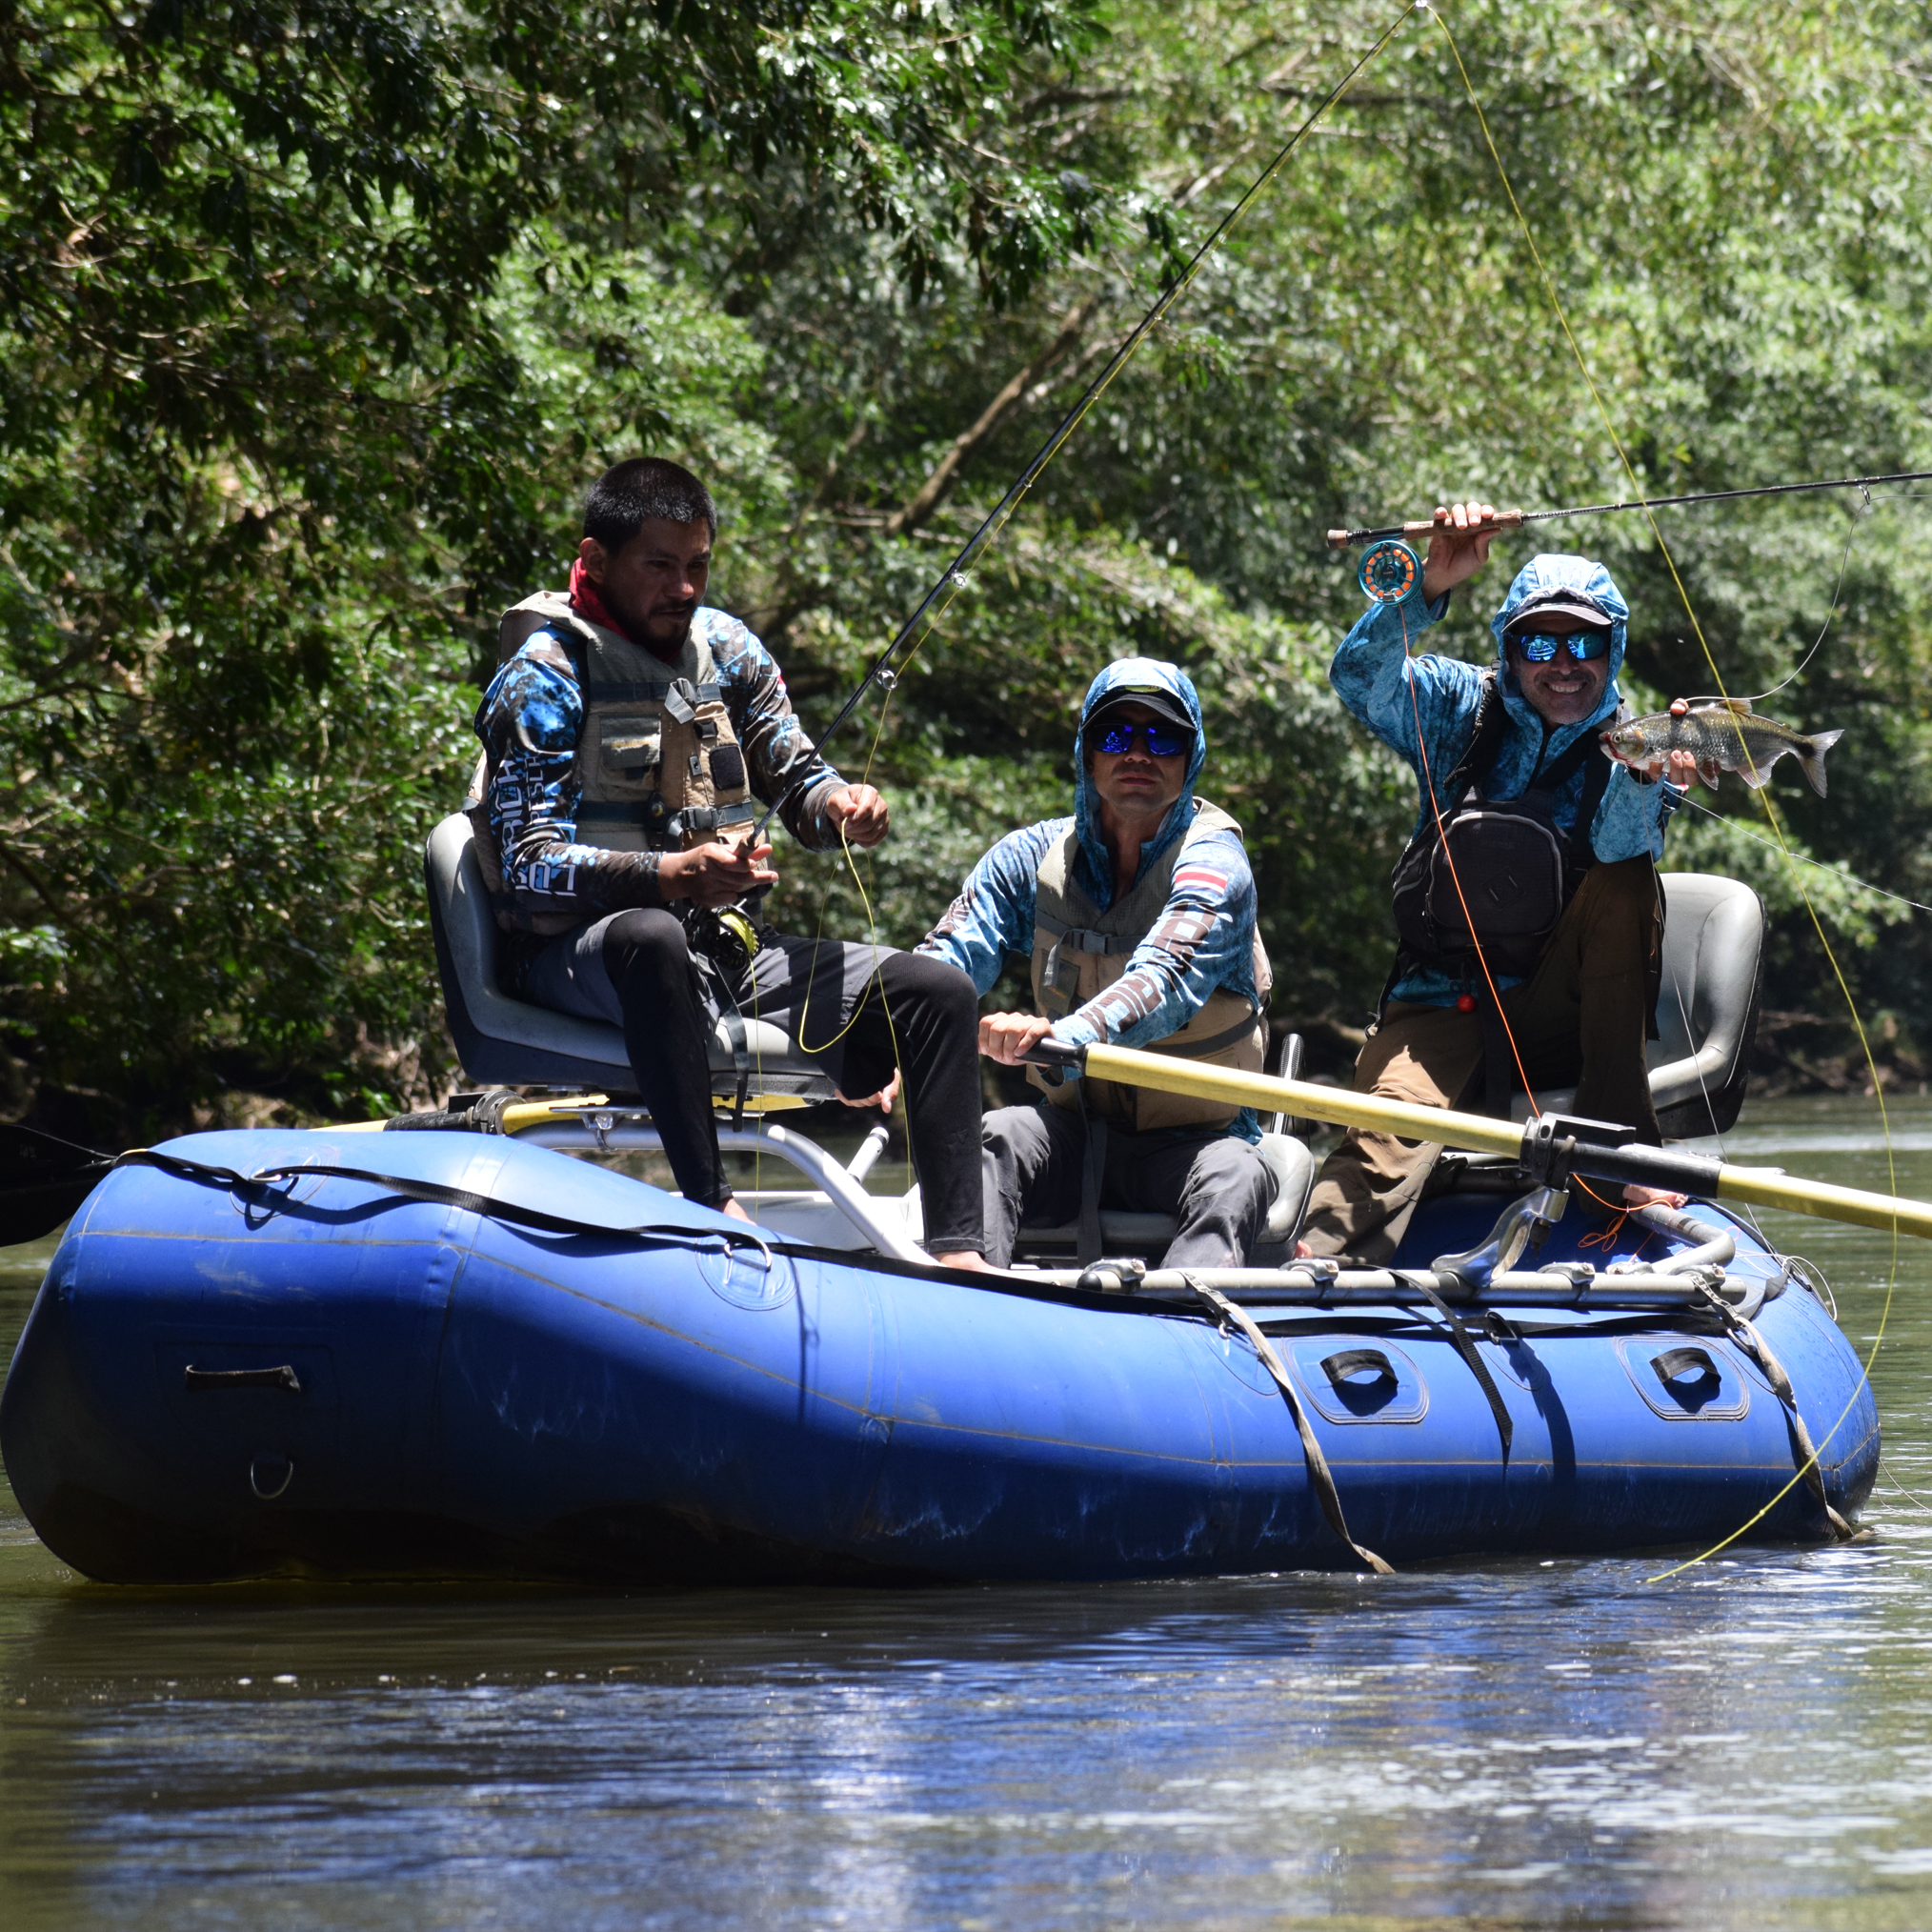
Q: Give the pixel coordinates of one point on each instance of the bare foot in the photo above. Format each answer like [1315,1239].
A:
[731,1208]
[974,1263]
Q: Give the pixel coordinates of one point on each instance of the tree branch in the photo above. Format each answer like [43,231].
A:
[932,491]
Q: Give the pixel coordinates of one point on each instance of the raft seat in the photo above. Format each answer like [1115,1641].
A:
[1706,1010]
[511,1042]
[1125,1233]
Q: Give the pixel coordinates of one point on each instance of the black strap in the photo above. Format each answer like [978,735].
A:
[1465,1346]
[1749,1334]
[1485,740]
[437,1194]
[1352,1361]
[1596,780]
[1675,1362]
[1093,1178]
[1486,737]
[615,691]
[1216,1042]
[1320,1478]
[1567,765]
[1498,1054]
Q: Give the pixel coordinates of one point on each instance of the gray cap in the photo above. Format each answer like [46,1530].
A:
[1163,704]
[1554,610]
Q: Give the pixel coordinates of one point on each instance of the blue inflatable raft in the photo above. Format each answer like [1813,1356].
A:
[318,1374]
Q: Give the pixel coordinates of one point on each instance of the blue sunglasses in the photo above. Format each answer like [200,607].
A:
[1163,741]
[1540,646]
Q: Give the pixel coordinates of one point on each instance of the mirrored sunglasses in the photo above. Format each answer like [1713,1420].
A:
[1540,646]
[1163,740]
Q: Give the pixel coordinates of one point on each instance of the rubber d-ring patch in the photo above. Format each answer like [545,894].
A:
[1389,571]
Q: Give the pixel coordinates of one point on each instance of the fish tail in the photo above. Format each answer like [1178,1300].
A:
[1812,762]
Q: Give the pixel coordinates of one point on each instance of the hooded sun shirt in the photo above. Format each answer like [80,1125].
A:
[1203,941]
[1391,691]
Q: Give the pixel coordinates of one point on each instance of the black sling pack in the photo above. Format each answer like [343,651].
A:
[1514,870]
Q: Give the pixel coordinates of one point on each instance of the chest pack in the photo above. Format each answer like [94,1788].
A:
[658,766]
[1078,951]
[1498,871]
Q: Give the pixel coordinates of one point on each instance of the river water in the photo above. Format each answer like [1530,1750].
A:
[1500,1743]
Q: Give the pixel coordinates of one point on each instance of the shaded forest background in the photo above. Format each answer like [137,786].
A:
[318,317]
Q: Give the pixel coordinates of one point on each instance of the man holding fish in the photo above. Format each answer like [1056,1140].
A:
[1527,901]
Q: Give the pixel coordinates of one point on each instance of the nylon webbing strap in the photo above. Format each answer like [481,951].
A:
[1747,1334]
[1092,1179]
[437,1194]
[1229,1036]
[1318,1472]
[1464,1344]
[605,691]
[1083,938]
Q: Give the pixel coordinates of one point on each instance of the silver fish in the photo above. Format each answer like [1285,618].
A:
[1727,736]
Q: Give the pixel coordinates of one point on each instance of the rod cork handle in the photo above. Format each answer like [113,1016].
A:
[1420,530]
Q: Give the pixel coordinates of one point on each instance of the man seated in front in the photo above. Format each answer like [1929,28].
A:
[1137,915]
[1557,985]
[625,745]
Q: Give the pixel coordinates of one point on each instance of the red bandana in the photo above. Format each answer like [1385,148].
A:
[587,602]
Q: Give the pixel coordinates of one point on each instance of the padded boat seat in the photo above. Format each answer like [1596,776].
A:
[1706,1010]
[511,1043]
[1125,1233]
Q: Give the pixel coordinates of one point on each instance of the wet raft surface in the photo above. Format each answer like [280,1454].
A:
[1521,1742]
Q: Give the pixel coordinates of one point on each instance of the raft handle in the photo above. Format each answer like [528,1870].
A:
[1343,1369]
[283,1376]
[1675,1363]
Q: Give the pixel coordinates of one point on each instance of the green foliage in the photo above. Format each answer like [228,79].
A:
[318,317]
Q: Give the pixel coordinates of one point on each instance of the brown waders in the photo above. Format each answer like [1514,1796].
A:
[1580,1020]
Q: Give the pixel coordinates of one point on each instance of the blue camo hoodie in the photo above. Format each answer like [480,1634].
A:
[1390,692]
[1203,941]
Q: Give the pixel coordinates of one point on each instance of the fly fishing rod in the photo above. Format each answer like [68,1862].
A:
[1549,1147]
[953,578]
[1514,519]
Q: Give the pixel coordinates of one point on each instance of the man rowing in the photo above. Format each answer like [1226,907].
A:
[1531,938]
[1137,916]
[625,741]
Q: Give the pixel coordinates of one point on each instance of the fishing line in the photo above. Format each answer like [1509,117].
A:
[939,597]
[1802,858]
[936,600]
[1837,592]
[1770,810]
[1824,629]
[1342,539]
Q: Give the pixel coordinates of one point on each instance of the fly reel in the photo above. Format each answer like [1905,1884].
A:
[1389,571]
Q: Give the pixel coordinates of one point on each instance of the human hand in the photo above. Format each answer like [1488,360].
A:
[1009,1037]
[1459,547]
[882,1099]
[1680,768]
[716,874]
[859,813]
[1636,1196]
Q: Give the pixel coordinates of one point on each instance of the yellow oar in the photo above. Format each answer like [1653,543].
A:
[1549,1146]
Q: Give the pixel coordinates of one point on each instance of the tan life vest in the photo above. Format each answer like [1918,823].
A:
[1078,951]
[658,766]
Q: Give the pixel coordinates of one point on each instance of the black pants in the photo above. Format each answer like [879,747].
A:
[858,1011]
[1217,1188]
